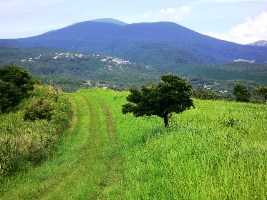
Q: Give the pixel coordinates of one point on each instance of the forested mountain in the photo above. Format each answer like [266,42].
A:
[162,43]
[122,55]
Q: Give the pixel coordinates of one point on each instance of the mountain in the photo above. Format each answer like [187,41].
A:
[163,44]
[110,20]
[260,43]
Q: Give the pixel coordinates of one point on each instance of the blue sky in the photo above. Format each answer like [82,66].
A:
[241,21]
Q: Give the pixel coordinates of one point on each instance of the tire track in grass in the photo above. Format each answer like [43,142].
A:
[42,180]
[88,179]
[65,188]
[114,177]
[85,167]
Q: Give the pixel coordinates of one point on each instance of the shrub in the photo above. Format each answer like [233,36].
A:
[262,92]
[241,93]
[25,143]
[39,108]
[15,85]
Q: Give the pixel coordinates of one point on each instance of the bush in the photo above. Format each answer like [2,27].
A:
[39,108]
[262,92]
[241,93]
[25,143]
[15,85]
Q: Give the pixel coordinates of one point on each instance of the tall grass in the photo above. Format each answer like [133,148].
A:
[28,143]
[216,151]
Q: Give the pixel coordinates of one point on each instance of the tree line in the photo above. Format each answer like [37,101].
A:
[171,95]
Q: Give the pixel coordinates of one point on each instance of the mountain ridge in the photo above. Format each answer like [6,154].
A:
[260,43]
[158,43]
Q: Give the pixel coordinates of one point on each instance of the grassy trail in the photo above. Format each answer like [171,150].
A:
[86,164]
[216,151]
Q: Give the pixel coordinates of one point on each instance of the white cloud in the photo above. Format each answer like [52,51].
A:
[175,13]
[247,32]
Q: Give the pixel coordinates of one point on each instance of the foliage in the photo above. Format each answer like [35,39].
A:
[29,143]
[171,95]
[261,91]
[203,93]
[39,108]
[15,85]
[241,93]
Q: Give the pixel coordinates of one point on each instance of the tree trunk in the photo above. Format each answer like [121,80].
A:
[166,120]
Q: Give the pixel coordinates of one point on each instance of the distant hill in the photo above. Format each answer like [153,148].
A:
[260,43]
[164,44]
[70,69]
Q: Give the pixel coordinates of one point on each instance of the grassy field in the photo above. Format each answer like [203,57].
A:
[216,151]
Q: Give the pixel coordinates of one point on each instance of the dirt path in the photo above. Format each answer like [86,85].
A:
[87,164]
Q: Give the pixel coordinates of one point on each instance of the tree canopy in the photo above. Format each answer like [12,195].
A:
[261,91]
[15,84]
[241,93]
[171,95]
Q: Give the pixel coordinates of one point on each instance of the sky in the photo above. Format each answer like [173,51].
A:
[240,21]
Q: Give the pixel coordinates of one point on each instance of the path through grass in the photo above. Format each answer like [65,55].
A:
[216,151]
[85,165]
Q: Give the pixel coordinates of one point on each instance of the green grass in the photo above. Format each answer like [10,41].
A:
[216,151]
[25,143]
[82,167]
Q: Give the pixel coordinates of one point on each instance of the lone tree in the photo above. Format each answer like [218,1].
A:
[241,93]
[171,95]
[15,84]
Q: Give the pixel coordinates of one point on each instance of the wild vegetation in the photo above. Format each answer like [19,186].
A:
[215,151]
[29,132]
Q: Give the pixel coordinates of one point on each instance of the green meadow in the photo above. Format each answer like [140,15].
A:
[218,150]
